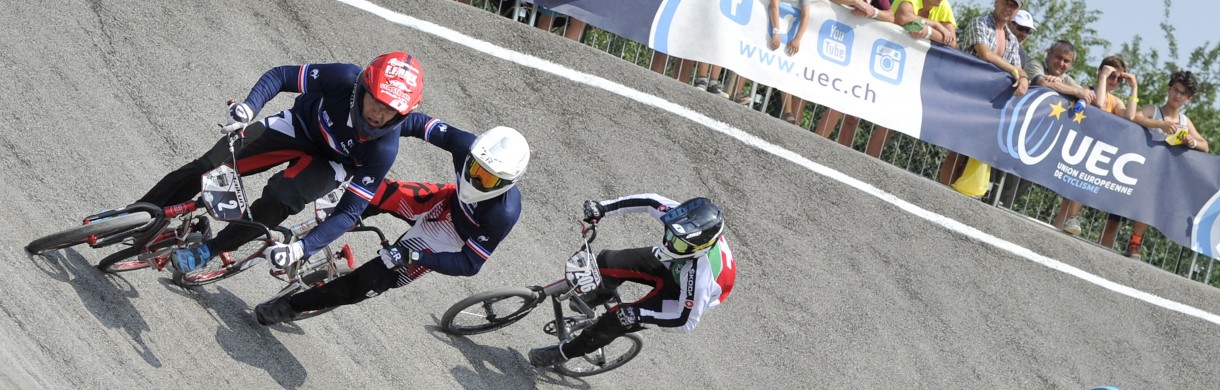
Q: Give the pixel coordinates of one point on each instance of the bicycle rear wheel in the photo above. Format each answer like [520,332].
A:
[128,259]
[80,234]
[612,356]
[489,310]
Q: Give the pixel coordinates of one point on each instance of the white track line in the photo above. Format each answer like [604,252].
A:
[749,139]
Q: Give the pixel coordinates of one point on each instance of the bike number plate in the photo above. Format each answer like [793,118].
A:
[223,194]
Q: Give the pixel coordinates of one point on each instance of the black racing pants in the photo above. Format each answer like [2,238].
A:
[634,265]
[308,177]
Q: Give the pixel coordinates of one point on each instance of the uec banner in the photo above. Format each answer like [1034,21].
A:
[1099,159]
[871,70]
[940,95]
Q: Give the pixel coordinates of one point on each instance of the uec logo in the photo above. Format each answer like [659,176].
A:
[1205,234]
[1032,126]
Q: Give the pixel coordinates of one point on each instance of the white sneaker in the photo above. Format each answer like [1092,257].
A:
[1072,226]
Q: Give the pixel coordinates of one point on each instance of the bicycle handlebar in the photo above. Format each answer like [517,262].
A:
[588,232]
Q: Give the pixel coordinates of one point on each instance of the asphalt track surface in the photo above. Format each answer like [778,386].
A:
[836,288]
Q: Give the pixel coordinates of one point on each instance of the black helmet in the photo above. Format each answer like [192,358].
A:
[692,228]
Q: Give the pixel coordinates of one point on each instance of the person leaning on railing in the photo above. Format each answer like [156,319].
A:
[1171,120]
[989,38]
[1111,74]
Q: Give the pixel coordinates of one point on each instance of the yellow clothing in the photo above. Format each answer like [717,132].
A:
[1111,103]
[942,13]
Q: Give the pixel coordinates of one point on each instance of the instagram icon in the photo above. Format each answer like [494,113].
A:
[888,61]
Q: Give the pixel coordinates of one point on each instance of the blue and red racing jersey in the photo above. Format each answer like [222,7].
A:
[482,225]
[322,115]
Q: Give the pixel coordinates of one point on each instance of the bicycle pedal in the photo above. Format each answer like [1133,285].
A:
[549,327]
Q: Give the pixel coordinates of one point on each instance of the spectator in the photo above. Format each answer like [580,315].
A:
[847,129]
[738,91]
[941,25]
[1012,186]
[989,38]
[659,62]
[1022,25]
[1183,85]
[707,77]
[1050,73]
[789,117]
[1111,74]
[775,40]
[682,68]
[572,28]
[791,104]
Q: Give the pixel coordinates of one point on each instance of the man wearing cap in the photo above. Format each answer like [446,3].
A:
[1022,25]
[989,38]
[1014,187]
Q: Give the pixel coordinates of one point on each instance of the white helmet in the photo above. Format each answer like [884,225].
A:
[497,159]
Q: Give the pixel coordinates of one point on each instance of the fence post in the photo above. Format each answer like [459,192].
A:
[1208,279]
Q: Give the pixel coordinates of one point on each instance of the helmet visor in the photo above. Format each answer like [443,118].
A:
[680,246]
[481,178]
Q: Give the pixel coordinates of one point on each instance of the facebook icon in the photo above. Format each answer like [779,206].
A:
[737,10]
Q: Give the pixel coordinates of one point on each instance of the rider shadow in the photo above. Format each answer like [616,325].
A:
[107,298]
[502,368]
[246,341]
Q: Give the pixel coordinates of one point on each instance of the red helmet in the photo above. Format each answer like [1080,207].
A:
[394,79]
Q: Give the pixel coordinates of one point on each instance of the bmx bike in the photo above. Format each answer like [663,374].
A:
[496,309]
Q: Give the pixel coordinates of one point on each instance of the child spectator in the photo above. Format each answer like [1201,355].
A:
[1169,118]
[1111,74]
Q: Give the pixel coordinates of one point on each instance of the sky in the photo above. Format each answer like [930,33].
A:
[1122,20]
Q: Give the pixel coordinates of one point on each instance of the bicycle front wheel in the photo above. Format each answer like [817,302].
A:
[612,356]
[80,234]
[489,310]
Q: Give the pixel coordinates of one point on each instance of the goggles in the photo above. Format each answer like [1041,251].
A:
[482,179]
[680,246]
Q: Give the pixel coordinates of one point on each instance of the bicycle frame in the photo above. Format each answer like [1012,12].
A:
[159,229]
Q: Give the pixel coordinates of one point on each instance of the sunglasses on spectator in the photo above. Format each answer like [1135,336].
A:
[1023,29]
[1114,76]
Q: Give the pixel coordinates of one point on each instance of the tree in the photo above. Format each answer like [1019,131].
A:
[1057,19]
[1154,73]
